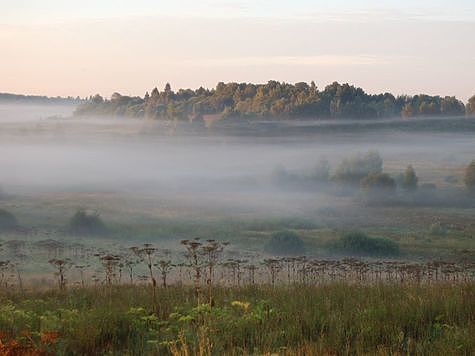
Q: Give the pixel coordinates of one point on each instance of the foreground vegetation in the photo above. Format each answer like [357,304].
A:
[142,301]
[328,319]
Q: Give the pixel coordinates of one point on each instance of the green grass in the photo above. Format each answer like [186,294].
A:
[137,219]
[332,319]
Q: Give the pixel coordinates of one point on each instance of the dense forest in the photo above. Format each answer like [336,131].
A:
[273,100]
[7,98]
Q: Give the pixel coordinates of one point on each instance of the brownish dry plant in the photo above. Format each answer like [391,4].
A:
[61,265]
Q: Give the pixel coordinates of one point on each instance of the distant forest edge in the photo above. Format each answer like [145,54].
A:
[6,98]
[274,100]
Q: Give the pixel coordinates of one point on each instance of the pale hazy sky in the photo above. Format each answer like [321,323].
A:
[62,47]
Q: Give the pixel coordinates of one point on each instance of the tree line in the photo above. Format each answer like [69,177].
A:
[273,100]
[37,99]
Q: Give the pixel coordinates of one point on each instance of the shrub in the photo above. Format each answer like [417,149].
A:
[352,170]
[379,182]
[359,244]
[410,179]
[378,186]
[7,221]
[285,243]
[84,223]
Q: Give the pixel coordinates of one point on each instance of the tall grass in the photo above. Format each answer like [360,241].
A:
[328,319]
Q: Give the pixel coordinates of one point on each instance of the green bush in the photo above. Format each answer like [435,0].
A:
[7,221]
[410,179]
[357,243]
[285,243]
[84,223]
[352,170]
[378,188]
[378,183]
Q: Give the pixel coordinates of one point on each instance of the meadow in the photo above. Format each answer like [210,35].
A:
[333,319]
[118,238]
[135,288]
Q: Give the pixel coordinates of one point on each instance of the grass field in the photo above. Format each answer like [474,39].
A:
[328,320]
[134,219]
[392,277]
[338,316]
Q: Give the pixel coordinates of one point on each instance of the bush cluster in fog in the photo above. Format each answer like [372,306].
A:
[352,170]
[86,223]
[349,172]
[410,179]
[285,243]
[357,243]
[376,185]
[362,175]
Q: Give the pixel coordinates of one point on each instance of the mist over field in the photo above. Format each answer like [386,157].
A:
[150,169]
[44,147]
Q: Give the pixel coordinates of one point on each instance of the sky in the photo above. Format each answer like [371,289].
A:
[54,47]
